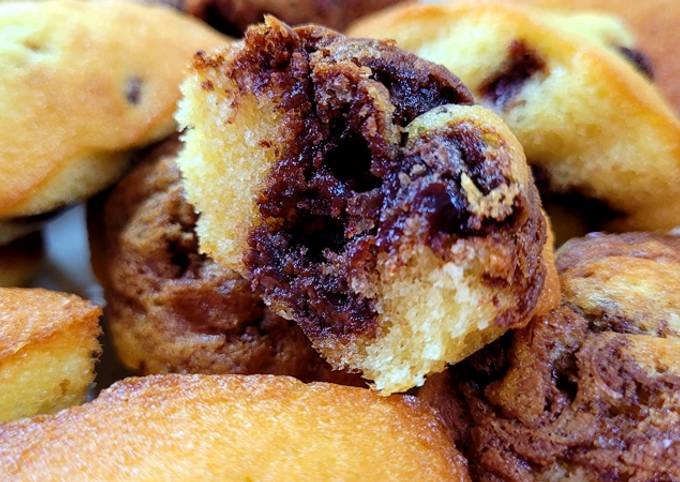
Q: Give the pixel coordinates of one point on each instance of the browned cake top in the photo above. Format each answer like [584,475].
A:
[630,280]
[583,252]
[653,22]
[31,315]
[232,427]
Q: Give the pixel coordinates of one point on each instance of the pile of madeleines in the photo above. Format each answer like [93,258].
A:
[437,246]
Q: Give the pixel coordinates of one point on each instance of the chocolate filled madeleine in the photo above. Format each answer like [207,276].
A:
[590,391]
[171,309]
[575,90]
[364,197]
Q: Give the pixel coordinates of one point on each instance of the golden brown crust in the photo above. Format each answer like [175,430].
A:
[371,203]
[170,309]
[20,260]
[82,92]
[237,428]
[584,391]
[234,16]
[32,315]
[48,349]
[571,88]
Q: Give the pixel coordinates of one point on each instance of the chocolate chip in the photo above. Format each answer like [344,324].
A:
[33,45]
[522,63]
[639,60]
[133,90]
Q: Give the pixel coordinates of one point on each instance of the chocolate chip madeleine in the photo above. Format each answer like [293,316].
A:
[590,391]
[171,309]
[364,197]
[82,84]
[573,89]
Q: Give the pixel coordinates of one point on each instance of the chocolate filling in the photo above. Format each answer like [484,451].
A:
[431,193]
[522,64]
[349,185]
[639,60]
